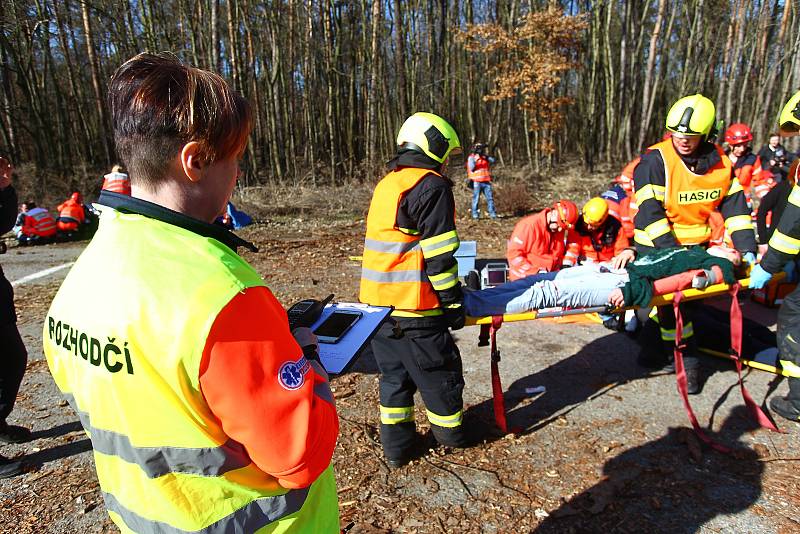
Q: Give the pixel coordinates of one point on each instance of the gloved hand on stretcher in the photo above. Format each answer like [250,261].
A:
[759,277]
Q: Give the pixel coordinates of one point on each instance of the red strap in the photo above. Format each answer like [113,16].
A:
[736,348]
[497,387]
[680,375]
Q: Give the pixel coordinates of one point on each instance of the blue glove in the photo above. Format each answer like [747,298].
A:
[749,258]
[791,272]
[759,277]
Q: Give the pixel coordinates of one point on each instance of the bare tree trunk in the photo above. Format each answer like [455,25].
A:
[95,71]
[649,95]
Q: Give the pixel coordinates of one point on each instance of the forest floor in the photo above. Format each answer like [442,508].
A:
[606,448]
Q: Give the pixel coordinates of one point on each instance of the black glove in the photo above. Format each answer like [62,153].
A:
[456,316]
[307,341]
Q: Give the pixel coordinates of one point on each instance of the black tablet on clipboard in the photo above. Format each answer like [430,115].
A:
[344,329]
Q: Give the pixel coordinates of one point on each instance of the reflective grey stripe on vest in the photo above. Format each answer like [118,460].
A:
[160,461]
[249,518]
[393,276]
[390,246]
[323,389]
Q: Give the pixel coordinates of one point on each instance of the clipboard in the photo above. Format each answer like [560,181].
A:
[337,358]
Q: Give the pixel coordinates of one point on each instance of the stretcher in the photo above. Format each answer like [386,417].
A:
[491,324]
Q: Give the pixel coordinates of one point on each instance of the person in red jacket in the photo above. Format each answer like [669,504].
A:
[71,215]
[38,226]
[538,242]
[117,181]
[746,165]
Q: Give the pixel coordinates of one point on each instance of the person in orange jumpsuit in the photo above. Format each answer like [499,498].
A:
[71,216]
[538,242]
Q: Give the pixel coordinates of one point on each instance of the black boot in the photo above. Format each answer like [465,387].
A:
[788,407]
[694,381]
[10,468]
[14,434]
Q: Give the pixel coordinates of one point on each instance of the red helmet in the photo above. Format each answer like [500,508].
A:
[738,133]
[567,212]
[76,197]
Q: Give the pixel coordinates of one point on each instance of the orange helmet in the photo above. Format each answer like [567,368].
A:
[738,133]
[76,197]
[567,212]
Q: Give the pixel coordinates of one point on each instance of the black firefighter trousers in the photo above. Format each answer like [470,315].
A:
[424,359]
[13,356]
[789,343]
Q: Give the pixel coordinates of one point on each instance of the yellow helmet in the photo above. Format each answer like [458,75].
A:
[595,211]
[789,121]
[429,134]
[691,115]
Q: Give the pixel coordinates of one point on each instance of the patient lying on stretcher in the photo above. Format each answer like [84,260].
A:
[592,285]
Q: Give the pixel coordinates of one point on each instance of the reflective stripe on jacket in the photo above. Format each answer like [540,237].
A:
[39,222]
[480,169]
[167,465]
[688,199]
[70,215]
[118,182]
[393,265]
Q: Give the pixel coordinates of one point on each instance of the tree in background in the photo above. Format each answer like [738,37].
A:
[529,60]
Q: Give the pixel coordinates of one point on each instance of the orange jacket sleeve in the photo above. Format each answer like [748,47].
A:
[265,394]
[531,248]
[622,241]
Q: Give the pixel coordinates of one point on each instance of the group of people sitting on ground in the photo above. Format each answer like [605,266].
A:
[37,226]
[73,219]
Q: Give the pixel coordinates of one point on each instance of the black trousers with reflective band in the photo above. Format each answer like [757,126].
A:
[789,336]
[425,360]
[666,321]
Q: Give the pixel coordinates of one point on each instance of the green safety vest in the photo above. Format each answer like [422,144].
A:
[124,338]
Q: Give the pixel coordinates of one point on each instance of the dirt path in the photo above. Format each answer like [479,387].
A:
[604,449]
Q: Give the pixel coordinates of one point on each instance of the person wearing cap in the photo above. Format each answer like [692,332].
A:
[409,263]
[539,241]
[599,237]
[680,182]
[784,246]
[478,163]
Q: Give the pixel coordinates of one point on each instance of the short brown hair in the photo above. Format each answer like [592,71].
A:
[158,104]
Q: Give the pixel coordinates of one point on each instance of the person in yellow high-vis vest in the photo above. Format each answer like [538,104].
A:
[409,263]
[680,182]
[204,412]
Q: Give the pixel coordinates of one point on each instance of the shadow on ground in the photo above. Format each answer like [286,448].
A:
[593,371]
[668,485]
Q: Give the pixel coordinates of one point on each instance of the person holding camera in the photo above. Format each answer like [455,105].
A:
[478,163]
[775,158]
[409,263]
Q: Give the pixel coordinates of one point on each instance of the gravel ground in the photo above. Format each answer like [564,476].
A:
[606,448]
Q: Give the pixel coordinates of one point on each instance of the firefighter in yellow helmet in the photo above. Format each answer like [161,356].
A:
[784,246]
[679,183]
[409,263]
[598,236]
